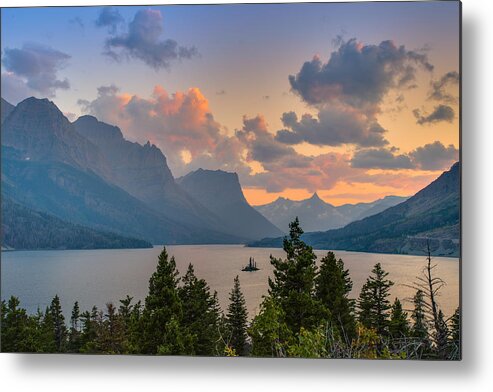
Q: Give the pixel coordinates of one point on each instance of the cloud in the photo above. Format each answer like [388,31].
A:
[348,91]
[260,143]
[176,122]
[380,159]
[332,127]
[282,166]
[143,42]
[110,18]
[37,66]
[358,75]
[439,88]
[14,89]
[440,113]
[435,156]
[183,126]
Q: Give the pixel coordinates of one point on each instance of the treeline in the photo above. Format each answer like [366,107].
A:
[306,313]
[24,228]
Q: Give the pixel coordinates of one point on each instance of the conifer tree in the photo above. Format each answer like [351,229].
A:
[398,324]
[74,332]
[14,324]
[455,334]
[162,305]
[373,301]
[201,313]
[420,327]
[455,326]
[441,337]
[294,281]
[58,324]
[333,286]
[236,318]
[89,333]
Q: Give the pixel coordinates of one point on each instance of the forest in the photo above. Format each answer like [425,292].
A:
[307,313]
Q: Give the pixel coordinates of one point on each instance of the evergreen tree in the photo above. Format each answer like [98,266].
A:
[162,305]
[333,286]
[14,327]
[201,314]
[455,335]
[373,301]
[455,326]
[420,327]
[236,318]
[89,333]
[74,332]
[293,284]
[58,324]
[441,337]
[398,324]
[112,330]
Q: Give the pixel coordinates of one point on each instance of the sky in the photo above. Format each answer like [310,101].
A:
[353,101]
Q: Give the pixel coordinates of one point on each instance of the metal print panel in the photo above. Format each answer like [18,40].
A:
[263,180]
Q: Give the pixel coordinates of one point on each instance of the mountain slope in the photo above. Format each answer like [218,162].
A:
[142,171]
[221,192]
[23,228]
[6,108]
[38,127]
[83,198]
[318,215]
[431,214]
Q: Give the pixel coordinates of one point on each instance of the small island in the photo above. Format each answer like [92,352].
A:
[251,266]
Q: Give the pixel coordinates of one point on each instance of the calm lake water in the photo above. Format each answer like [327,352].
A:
[95,277]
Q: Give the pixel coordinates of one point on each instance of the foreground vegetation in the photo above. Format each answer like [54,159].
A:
[307,313]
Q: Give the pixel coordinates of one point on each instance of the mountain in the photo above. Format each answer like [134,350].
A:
[49,167]
[432,214]
[26,229]
[5,108]
[143,172]
[38,127]
[221,193]
[318,215]
[84,198]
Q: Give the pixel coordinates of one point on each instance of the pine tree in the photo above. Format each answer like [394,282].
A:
[294,282]
[420,327]
[373,301]
[441,337]
[455,326]
[89,333]
[58,324]
[398,324]
[333,286]
[236,318]
[74,332]
[14,325]
[201,313]
[455,333]
[162,305]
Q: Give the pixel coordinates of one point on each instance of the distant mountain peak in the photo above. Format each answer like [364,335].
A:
[315,197]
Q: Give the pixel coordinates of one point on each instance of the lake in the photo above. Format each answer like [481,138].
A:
[95,277]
